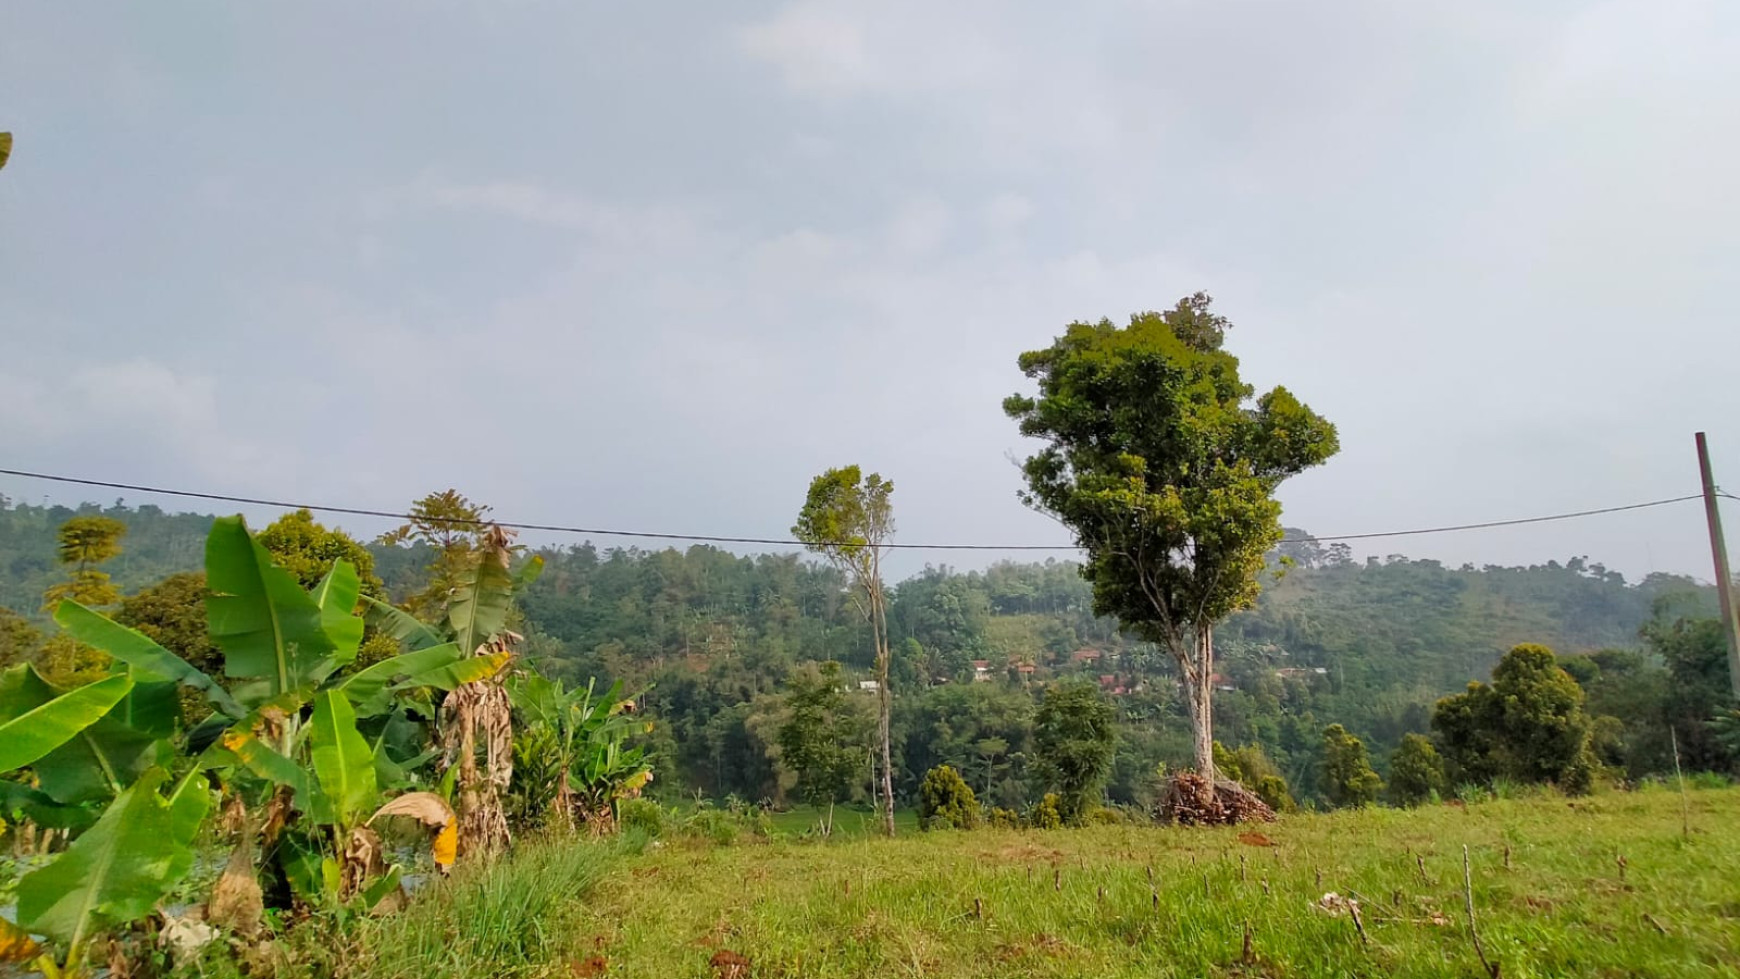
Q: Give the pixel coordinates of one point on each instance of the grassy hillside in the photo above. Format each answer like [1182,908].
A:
[1081,902]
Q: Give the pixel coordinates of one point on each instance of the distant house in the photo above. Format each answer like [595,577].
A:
[1220,681]
[869,686]
[981,671]
[1081,656]
[1110,683]
[1301,672]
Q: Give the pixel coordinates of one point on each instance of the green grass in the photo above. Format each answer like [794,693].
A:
[849,823]
[1079,902]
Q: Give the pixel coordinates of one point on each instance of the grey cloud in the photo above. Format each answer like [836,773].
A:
[669,263]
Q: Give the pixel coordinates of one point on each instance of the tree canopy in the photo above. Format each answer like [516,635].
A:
[1165,469]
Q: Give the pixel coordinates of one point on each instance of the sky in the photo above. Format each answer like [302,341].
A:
[654,266]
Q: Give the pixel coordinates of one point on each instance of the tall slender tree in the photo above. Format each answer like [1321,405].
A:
[848,519]
[1164,468]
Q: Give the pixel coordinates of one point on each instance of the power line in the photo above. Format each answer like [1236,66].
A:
[1501,523]
[788,542]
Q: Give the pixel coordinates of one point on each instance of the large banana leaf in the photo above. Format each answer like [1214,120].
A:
[5,147]
[116,871]
[337,596]
[442,667]
[188,806]
[104,756]
[238,746]
[150,662]
[481,600]
[266,625]
[402,625]
[36,732]
[344,764]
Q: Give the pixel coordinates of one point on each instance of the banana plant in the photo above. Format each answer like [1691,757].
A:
[286,731]
[580,738]
[476,717]
[118,870]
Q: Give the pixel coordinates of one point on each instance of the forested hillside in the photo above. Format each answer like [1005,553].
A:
[713,638]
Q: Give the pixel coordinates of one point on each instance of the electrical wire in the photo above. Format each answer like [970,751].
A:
[788,542]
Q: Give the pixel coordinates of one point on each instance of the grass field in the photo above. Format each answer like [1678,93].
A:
[1606,886]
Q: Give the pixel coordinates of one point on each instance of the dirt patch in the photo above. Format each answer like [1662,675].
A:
[590,968]
[1254,838]
[1041,945]
[1022,853]
[727,964]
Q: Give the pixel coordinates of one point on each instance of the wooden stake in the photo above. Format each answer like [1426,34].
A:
[1242,877]
[1685,803]
[1468,898]
[1507,856]
[1420,861]
[1250,956]
[1057,879]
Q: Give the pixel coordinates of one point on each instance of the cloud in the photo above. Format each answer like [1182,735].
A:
[136,408]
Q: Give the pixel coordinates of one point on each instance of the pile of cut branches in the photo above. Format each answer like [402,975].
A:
[1192,800]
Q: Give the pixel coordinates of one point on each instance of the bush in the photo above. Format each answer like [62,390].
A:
[1528,725]
[1104,816]
[1347,774]
[1001,818]
[1708,780]
[643,815]
[946,801]
[1272,789]
[1046,815]
[1250,767]
[713,825]
[1416,771]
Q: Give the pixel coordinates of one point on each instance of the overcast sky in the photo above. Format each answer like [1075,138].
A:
[654,265]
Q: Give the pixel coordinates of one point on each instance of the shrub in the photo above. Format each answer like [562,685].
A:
[643,815]
[1348,778]
[1708,780]
[1272,789]
[1528,726]
[945,800]
[1074,737]
[714,825]
[1416,771]
[1250,767]
[1104,816]
[1001,818]
[1046,815]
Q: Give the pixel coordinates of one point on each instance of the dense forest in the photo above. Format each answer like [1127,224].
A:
[711,640]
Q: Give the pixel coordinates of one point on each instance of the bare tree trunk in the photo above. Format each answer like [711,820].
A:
[885,705]
[1198,689]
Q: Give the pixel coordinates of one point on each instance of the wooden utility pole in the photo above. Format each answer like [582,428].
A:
[1724,578]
